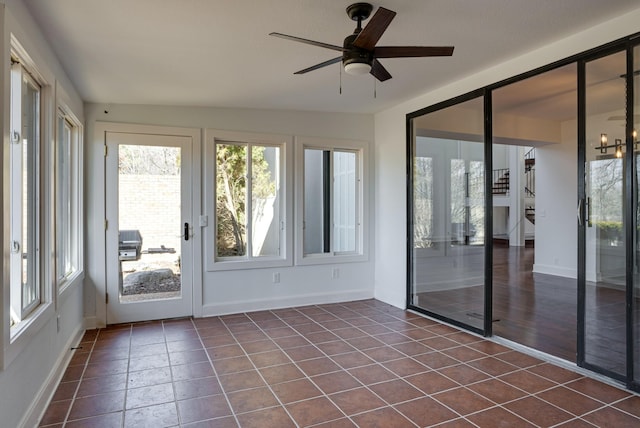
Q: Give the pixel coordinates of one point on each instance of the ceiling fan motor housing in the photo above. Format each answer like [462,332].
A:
[353,54]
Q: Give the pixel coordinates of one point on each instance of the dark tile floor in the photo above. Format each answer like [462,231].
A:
[357,364]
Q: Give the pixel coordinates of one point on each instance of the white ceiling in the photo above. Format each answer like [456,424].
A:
[218,52]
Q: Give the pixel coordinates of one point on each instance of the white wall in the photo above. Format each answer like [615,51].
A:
[28,381]
[238,290]
[390,146]
[556,205]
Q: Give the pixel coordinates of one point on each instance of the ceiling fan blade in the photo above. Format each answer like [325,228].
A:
[317,66]
[308,42]
[370,34]
[379,72]
[411,51]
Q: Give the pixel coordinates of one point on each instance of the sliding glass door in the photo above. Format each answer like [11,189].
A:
[609,320]
[448,229]
[635,292]
[468,191]
[605,238]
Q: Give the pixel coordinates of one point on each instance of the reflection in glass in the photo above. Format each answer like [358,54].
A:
[636,277]
[447,276]
[265,228]
[344,202]
[316,201]
[605,317]
[30,137]
[534,185]
[422,202]
[64,231]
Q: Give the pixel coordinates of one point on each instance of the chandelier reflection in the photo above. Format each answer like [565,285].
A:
[618,147]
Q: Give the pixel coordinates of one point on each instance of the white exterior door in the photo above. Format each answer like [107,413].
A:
[149,230]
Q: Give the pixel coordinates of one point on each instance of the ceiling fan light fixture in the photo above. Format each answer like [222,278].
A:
[360,53]
[357,68]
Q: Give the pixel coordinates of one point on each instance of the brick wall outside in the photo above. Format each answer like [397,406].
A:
[151,204]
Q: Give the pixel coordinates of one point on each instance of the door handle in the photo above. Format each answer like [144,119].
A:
[580,212]
[584,212]
[186,231]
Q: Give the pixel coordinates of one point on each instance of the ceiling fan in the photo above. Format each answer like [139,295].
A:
[359,51]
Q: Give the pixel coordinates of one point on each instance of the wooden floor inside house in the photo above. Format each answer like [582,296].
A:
[356,364]
[539,310]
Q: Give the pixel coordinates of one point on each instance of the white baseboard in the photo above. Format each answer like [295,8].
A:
[235,307]
[90,323]
[43,398]
[555,270]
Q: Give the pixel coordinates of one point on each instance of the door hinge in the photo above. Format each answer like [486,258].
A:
[106,224]
[106,298]
[106,150]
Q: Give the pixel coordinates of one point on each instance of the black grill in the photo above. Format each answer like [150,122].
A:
[129,245]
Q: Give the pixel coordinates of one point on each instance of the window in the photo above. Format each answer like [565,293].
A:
[422,200]
[24,176]
[67,227]
[249,206]
[332,211]
[331,187]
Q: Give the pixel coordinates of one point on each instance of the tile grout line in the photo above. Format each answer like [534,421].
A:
[347,370]
[410,340]
[295,363]
[375,316]
[374,362]
[173,381]
[235,414]
[80,379]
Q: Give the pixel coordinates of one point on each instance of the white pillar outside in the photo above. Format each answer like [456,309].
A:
[516,196]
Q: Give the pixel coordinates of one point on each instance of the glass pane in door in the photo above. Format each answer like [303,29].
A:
[605,298]
[534,184]
[636,276]
[149,215]
[447,214]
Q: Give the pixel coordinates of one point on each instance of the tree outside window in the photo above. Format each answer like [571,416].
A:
[248,219]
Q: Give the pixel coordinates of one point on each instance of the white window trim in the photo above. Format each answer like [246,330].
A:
[212,136]
[74,280]
[363,204]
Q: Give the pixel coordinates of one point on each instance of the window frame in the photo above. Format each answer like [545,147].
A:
[20,77]
[285,145]
[74,196]
[361,194]
[15,338]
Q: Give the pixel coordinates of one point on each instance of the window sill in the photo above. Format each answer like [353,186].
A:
[322,259]
[226,265]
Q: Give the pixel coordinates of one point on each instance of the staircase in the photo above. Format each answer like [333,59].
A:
[530,213]
[530,174]
[530,183]
[500,183]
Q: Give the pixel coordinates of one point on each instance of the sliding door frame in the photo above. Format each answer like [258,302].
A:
[488,218]
[626,43]
[629,211]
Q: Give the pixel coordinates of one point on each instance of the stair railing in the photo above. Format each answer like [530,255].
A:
[500,181]
[530,173]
